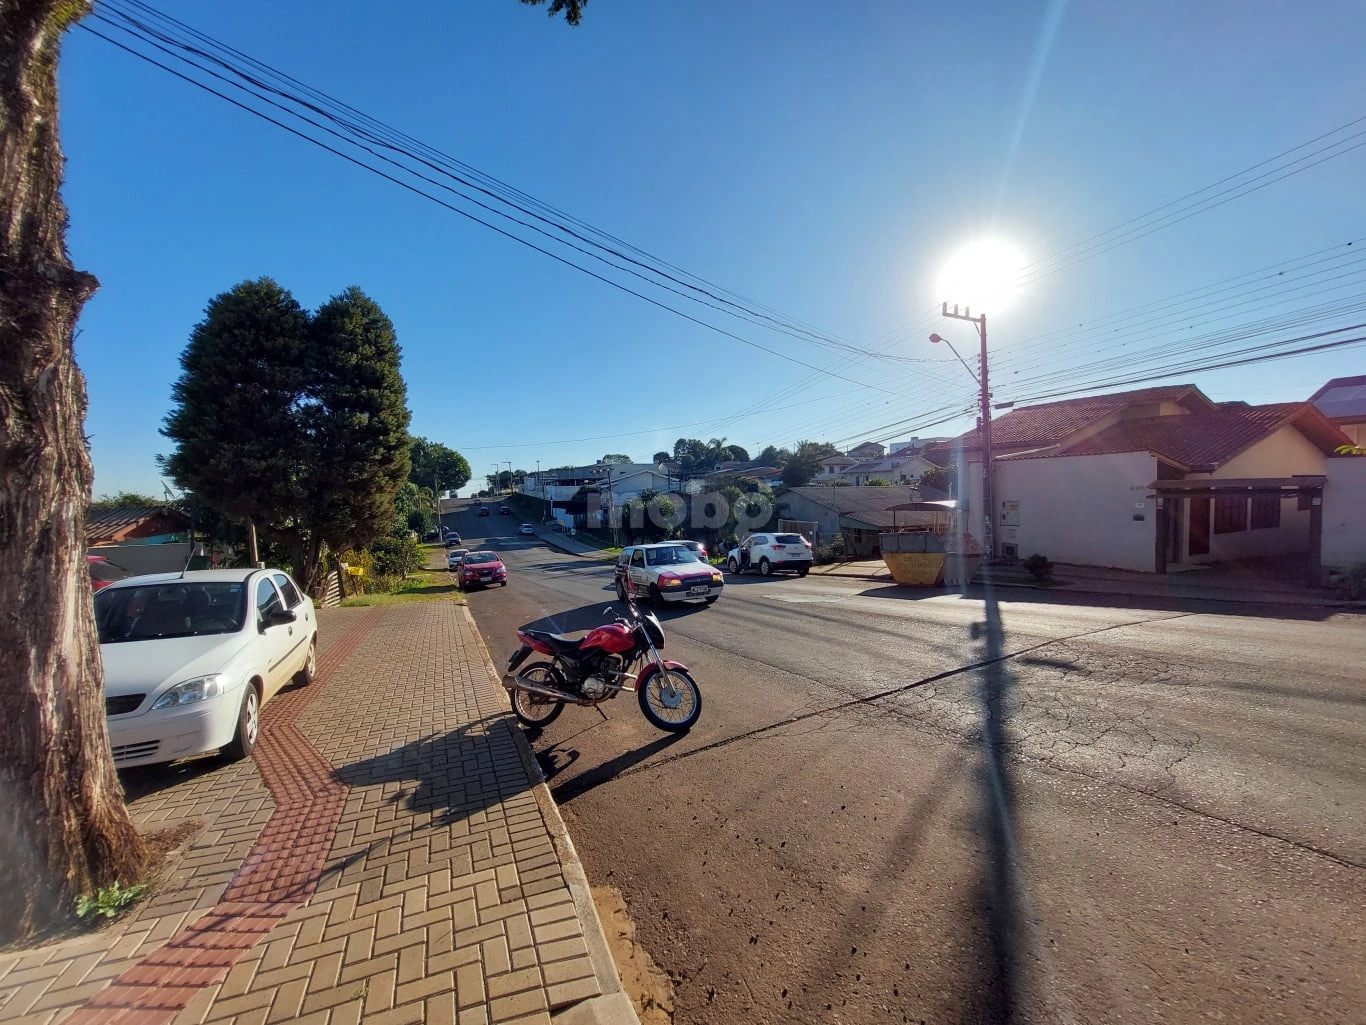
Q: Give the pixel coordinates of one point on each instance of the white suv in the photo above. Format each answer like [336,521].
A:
[769,553]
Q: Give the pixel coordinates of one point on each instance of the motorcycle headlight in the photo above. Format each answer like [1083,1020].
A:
[198,689]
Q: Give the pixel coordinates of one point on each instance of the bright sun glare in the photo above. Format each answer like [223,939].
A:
[984,276]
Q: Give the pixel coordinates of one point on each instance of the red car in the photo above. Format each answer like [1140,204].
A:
[103,572]
[482,569]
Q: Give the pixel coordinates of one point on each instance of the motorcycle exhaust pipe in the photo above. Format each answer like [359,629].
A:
[542,691]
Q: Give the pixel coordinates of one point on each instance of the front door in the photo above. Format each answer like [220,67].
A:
[1198,530]
[640,580]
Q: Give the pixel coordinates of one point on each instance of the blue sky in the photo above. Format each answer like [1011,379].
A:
[823,159]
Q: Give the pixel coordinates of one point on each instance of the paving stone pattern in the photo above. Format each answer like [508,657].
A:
[382,859]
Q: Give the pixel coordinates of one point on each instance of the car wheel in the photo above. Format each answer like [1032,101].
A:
[656,598]
[621,592]
[733,567]
[803,571]
[505,583]
[765,568]
[309,672]
[243,742]
[712,601]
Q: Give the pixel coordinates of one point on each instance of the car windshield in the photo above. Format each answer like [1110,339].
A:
[173,609]
[669,556]
[481,557]
[788,539]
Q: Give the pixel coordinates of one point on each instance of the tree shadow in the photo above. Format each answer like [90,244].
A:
[446,777]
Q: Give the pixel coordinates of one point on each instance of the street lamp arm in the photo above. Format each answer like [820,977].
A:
[939,338]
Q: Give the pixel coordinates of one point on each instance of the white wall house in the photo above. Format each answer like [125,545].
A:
[1184,482]
[1344,513]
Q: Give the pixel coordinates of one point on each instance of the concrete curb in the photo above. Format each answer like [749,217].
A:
[612,1007]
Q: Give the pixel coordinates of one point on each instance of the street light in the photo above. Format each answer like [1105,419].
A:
[986,275]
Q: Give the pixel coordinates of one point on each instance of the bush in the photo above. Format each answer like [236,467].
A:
[1352,584]
[397,556]
[1038,567]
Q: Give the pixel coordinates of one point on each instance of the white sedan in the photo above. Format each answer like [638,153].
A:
[190,658]
[527,528]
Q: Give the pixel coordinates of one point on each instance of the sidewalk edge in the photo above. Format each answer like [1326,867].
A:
[604,965]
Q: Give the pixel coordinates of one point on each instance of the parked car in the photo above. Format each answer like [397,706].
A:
[526,528]
[666,572]
[696,547]
[455,556]
[504,511]
[103,572]
[481,569]
[190,659]
[771,553]
[452,540]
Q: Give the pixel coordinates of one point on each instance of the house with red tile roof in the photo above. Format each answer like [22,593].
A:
[1155,479]
[1343,400]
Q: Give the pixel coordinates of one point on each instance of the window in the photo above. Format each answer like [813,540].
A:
[1230,514]
[1266,511]
[638,559]
[267,599]
[288,590]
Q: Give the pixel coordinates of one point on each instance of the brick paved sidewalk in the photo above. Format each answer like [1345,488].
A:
[388,856]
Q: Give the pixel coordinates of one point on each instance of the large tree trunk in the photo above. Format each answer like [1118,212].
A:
[64,829]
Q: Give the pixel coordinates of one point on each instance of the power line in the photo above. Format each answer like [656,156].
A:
[1102,243]
[466,214]
[347,129]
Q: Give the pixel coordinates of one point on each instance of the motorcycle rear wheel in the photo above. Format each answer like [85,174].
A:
[532,710]
[671,701]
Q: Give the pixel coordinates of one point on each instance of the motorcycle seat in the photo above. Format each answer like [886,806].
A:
[557,641]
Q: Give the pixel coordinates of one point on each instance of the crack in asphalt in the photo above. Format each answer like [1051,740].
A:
[1158,794]
[881,695]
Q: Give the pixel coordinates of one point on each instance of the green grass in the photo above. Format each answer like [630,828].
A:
[108,901]
[425,585]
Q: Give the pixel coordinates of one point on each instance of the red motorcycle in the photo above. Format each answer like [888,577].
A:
[591,669]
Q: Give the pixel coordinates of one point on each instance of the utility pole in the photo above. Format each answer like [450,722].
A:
[991,549]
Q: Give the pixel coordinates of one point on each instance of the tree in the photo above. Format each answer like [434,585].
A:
[944,480]
[434,464]
[689,454]
[238,441]
[571,9]
[805,462]
[663,457]
[125,500]
[355,421]
[772,456]
[64,830]
[615,457]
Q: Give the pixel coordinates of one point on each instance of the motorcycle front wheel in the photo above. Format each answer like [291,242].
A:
[671,701]
[533,710]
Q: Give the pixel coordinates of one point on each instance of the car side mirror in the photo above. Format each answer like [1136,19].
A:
[282,616]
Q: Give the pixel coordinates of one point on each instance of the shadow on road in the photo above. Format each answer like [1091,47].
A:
[554,762]
[1137,602]
[998,892]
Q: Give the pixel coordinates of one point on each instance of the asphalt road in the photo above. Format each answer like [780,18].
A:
[949,810]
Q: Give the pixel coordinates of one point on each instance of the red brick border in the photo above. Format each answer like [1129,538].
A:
[280,872]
